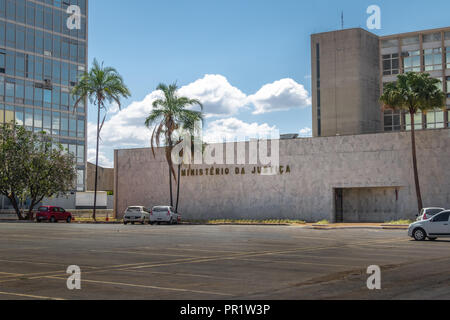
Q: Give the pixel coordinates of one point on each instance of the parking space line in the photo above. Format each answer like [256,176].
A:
[299,262]
[187,275]
[146,286]
[29,296]
[134,266]
[138,253]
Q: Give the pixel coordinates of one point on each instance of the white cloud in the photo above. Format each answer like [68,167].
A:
[306,132]
[218,96]
[280,95]
[125,128]
[232,129]
[103,160]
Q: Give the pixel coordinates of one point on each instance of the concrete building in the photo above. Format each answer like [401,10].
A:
[358,166]
[105,178]
[345,83]
[40,61]
[360,178]
[349,68]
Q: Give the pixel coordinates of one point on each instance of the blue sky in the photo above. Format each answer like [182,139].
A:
[243,45]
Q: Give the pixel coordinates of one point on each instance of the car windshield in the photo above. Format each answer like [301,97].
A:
[134,209]
[160,209]
[43,209]
[434,211]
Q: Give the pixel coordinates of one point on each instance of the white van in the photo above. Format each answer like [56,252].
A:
[165,214]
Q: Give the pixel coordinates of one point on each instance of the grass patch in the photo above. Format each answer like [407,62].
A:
[248,221]
[399,222]
[323,222]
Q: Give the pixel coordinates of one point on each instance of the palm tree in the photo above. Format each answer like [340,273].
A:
[101,84]
[168,115]
[414,93]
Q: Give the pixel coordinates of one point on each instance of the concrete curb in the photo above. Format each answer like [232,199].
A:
[381,227]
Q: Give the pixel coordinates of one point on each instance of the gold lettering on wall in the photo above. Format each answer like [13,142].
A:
[213,171]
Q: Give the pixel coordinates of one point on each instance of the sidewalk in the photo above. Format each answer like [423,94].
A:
[337,226]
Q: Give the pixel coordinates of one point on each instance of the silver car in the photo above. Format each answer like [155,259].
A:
[165,214]
[136,214]
[427,213]
[432,228]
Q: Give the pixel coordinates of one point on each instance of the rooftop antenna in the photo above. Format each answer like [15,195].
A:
[342,20]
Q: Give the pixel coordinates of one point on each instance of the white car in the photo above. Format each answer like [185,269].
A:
[165,214]
[136,214]
[432,228]
[427,213]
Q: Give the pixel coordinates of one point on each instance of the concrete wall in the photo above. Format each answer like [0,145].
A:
[370,204]
[317,167]
[349,82]
[105,178]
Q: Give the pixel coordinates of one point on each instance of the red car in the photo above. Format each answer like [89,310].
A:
[53,214]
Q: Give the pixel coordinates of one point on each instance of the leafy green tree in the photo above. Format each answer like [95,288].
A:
[414,93]
[170,114]
[15,145]
[101,84]
[51,172]
[30,169]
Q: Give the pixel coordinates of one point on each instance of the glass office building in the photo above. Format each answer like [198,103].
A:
[40,62]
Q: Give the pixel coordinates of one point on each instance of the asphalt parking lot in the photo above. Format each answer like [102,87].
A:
[217,262]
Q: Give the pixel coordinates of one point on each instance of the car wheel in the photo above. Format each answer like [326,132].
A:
[69,220]
[38,220]
[419,234]
[52,219]
[125,223]
[132,222]
[432,239]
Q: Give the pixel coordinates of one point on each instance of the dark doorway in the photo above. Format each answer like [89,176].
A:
[339,205]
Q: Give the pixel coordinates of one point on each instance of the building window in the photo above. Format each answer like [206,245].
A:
[408,41]
[80,180]
[392,120]
[80,154]
[390,64]
[448,117]
[435,119]
[390,43]
[448,86]
[448,57]
[432,37]
[319,123]
[432,59]
[19,116]
[411,61]
[418,123]
[37,120]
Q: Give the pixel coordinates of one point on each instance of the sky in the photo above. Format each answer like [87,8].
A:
[247,61]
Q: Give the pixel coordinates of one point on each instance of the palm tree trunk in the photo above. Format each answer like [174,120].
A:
[178,187]
[414,158]
[96,164]
[170,187]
